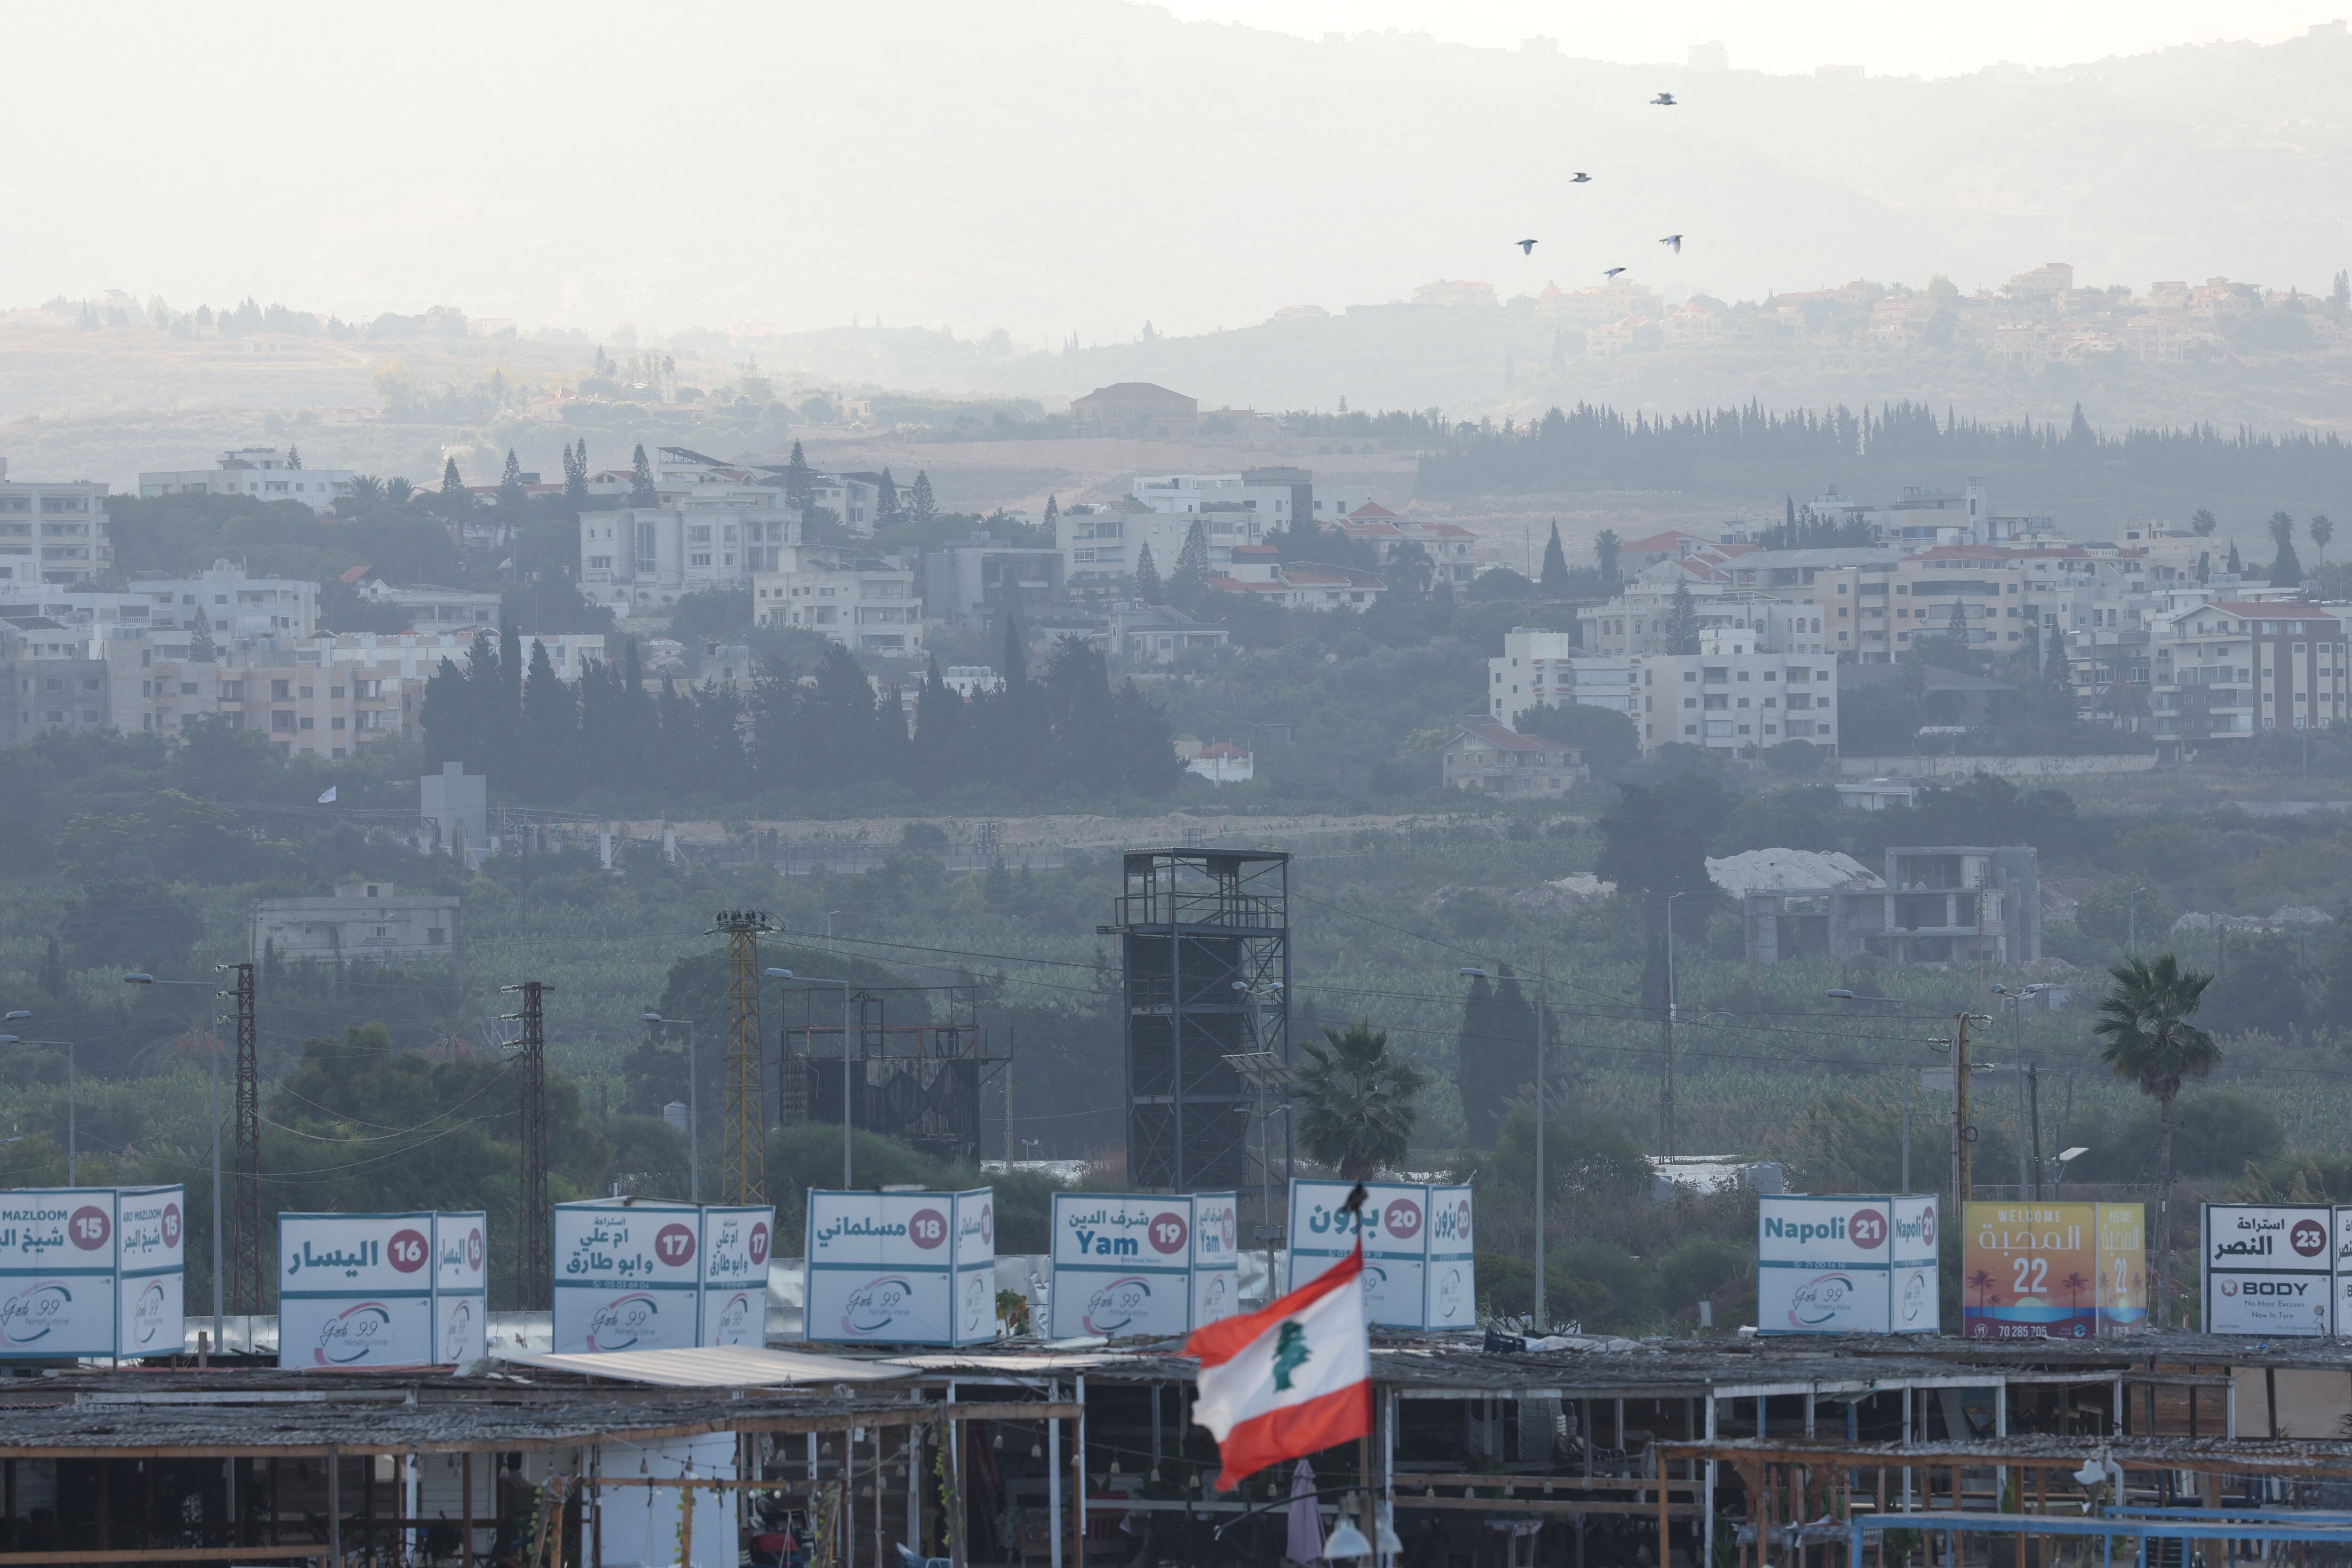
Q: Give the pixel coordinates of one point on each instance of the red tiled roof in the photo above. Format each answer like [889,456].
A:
[1370,510]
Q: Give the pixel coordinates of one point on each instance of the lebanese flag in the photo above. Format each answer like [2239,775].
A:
[1291,1379]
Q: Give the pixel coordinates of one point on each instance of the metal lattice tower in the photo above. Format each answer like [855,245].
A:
[245,1270]
[743,1152]
[1205,947]
[535,1238]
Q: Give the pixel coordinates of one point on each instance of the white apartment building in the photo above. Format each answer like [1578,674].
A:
[1732,695]
[867,606]
[2233,667]
[361,921]
[52,533]
[260,473]
[234,608]
[642,560]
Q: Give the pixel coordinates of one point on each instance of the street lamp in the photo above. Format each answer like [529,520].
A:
[693,1106]
[213,1051]
[72,1163]
[2066,1158]
[814,980]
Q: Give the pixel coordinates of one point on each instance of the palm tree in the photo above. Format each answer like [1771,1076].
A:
[1416,565]
[1982,1283]
[1605,545]
[2322,529]
[1357,1113]
[2074,1285]
[2146,1037]
[398,490]
[366,489]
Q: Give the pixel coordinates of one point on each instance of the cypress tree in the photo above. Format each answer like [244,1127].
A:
[454,501]
[2236,567]
[294,458]
[641,480]
[1147,577]
[511,491]
[886,500]
[938,714]
[1477,1053]
[1192,575]
[796,479]
[548,758]
[922,507]
[1555,566]
[2287,569]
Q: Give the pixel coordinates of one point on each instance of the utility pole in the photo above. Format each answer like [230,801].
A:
[535,1240]
[1666,1042]
[1963,1129]
[1543,967]
[743,1152]
[245,1266]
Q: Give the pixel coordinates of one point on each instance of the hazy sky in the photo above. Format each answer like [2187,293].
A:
[1798,36]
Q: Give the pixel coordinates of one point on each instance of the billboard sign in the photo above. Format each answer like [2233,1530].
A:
[894,1268]
[1451,1279]
[1850,1264]
[150,1274]
[2268,1268]
[2122,1260]
[628,1276]
[1217,1257]
[1129,1264]
[461,1272]
[1397,1230]
[1916,1304]
[734,1253]
[2030,1271]
[58,1272]
[355,1289]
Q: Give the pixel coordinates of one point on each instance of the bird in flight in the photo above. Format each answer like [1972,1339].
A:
[1612,272]
[1527,247]
[1581,178]
[1674,240]
[1667,99]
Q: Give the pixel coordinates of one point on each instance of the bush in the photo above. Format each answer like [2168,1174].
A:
[1607,738]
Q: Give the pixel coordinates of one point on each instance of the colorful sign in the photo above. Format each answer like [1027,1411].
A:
[1837,1266]
[1398,1222]
[1129,1264]
[2030,1271]
[355,1289]
[2122,1258]
[92,1271]
[2268,1268]
[900,1267]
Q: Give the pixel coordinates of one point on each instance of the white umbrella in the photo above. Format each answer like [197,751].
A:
[1305,1543]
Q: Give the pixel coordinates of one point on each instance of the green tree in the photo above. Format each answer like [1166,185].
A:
[2286,572]
[2202,523]
[135,923]
[575,476]
[294,458]
[455,503]
[201,650]
[1147,577]
[2235,567]
[1357,1112]
[1609,739]
[2146,1039]
[1605,545]
[922,506]
[1192,575]
[1555,566]
[1682,621]
[2322,529]
[511,494]
[366,490]
[886,509]
[796,478]
[641,480]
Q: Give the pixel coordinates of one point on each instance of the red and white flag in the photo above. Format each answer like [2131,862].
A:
[1291,1379]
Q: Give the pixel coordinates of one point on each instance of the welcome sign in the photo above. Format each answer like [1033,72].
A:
[92,1271]
[900,1267]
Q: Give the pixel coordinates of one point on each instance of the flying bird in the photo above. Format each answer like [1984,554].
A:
[1612,272]
[1581,178]
[1527,247]
[1667,99]
[1674,240]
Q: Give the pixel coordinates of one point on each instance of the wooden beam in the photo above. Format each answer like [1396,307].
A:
[174,1554]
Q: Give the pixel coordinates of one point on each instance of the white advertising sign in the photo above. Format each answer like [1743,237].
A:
[1217,1257]
[354,1290]
[880,1269]
[1396,1225]
[58,1272]
[1825,1265]
[628,1276]
[1122,1264]
[1452,1280]
[734,1252]
[1916,1303]
[2270,1269]
[975,1265]
[461,1273]
[151,1252]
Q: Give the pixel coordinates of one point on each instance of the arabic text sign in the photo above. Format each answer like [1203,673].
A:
[2029,1270]
[2122,1258]
[897,1268]
[151,1250]
[57,1268]
[1452,1280]
[1122,1264]
[1914,1304]
[1831,1265]
[461,1293]
[355,1289]
[628,1276]
[1401,1223]
[2268,1268]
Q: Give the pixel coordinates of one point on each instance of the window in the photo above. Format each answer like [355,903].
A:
[281,691]
[307,722]
[281,722]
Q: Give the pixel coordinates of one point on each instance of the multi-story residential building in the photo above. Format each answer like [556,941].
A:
[1451,548]
[260,473]
[2233,668]
[643,559]
[1732,695]
[417,655]
[232,606]
[968,582]
[867,605]
[360,922]
[1493,759]
[52,533]
[1936,904]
